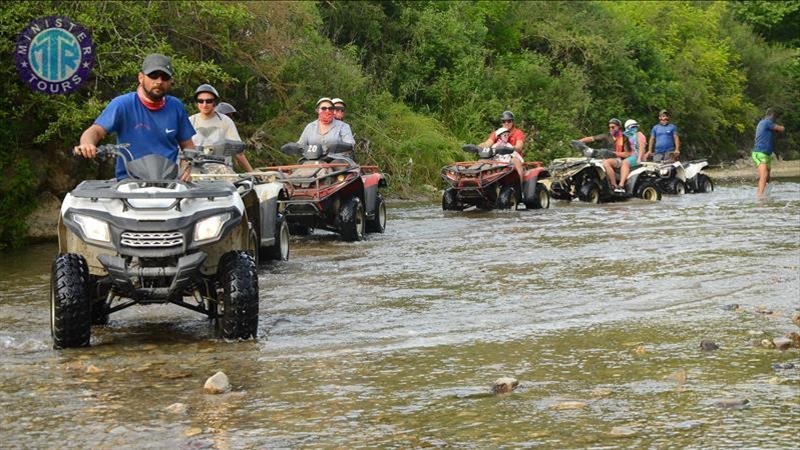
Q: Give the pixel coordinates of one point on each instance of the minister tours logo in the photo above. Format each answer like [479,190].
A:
[54,55]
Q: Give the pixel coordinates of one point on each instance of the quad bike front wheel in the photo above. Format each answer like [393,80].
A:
[279,250]
[507,198]
[648,191]
[677,187]
[704,183]
[450,200]
[70,302]
[378,223]
[589,192]
[541,198]
[239,298]
[351,220]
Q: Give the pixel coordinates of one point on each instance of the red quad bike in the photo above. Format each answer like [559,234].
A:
[489,183]
[332,192]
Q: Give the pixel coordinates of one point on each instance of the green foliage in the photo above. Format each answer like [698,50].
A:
[420,77]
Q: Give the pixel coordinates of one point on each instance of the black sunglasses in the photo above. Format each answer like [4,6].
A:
[326,108]
[157,75]
[339,108]
[205,100]
[506,121]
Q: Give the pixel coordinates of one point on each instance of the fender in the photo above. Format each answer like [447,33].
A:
[373,179]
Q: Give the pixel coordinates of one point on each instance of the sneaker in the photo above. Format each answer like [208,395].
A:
[619,190]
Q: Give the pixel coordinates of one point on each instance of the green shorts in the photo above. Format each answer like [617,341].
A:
[761,158]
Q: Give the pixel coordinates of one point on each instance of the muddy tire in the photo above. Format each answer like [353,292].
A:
[254,245]
[541,198]
[507,198]
[589,192]
[449,200]
[300,230]
[378,223]
[677,187]
[70,302]
[279,251]
[352,221]
[239,299]
[648,191]
[704,183]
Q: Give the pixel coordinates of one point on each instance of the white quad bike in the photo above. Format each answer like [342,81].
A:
[263,200]
[678,178]
[151,238]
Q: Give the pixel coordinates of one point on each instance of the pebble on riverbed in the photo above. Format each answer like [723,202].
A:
[708,345]
[731,307]
[732,403]
[504,385]
[176,408]
[217,384]
[796,318]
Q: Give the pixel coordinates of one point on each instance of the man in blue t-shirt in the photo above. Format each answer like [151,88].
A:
[762,149]
[664,137]
[148,119]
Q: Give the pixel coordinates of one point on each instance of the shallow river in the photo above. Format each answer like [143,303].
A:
[597,310]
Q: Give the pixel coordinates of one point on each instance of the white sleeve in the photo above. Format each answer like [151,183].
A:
[231,133]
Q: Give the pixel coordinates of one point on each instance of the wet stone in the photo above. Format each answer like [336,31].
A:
[708,345]
[568,405]
[602,392]
[732,403]
[796,318]
[193,431]
[622,432]
[176,408]
[782,343]
[731,307]
[679,375]
[767,343]
[93,369]
[784,366]
[504,385]
[217,384]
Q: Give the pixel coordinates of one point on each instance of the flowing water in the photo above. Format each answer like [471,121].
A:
[597,310]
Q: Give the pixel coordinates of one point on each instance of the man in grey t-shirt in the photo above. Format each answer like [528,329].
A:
[326,130]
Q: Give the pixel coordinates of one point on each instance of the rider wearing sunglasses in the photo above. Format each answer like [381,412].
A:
[213,127]
[148,119]
[326,130]
[516,138]
[614,139]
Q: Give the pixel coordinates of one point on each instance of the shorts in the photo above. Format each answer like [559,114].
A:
[761,158]
[632,161]
[663,156]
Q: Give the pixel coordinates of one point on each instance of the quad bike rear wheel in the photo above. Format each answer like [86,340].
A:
[279,250]
[239,298]
[589,192]
[254,247]
[378,223]
[351,220]
[70,302]
[450,201]
[507,198]
[541,198]
[648,191]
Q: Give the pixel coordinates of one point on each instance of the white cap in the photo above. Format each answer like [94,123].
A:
[324,99]
[500,131]
[631,123]
[338,100]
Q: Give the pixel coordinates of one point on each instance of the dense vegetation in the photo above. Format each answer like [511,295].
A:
[419,77]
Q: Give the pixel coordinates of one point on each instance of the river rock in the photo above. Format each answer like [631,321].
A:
[782,343]
[640,350]
[176,408]
[93,369]
[193,431]
[568,405]
[732,403]
[785,366]
[795,337]
[796,318]
[602,392]
[504,385]
[679,375]
[708,345]
[731,307]
[622,432]
[217,384]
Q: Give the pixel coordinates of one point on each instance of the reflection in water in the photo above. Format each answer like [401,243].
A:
[395,341]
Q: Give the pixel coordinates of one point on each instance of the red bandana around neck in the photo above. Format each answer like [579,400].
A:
[149,104]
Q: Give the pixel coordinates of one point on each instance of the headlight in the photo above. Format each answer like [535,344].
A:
[210,227]
[664,172]
[94,229]
[340,178]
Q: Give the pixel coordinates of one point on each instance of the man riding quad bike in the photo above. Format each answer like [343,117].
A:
[151,238]
[330,191]
[493,182]
[585,178]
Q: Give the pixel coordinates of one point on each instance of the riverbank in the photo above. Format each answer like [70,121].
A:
[743,169]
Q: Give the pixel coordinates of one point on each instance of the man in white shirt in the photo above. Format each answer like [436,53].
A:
[213,127]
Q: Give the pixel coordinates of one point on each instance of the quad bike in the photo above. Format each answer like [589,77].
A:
[490,183]
[678,178]
[585,178]
[330,191]
[151,238]
[212,162]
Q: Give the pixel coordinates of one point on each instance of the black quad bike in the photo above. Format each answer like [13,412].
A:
[492,182]
[585,178]
[330,191]
[151,238]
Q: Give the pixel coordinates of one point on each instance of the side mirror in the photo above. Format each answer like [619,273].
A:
[470,148]
[340,147]
[504,150]
[578,145]
[231,148]
[292,148]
